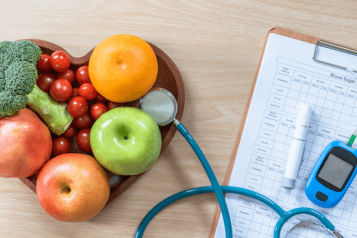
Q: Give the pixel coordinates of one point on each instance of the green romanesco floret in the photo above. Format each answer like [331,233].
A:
[18,74]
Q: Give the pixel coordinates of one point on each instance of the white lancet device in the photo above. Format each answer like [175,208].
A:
[297,146]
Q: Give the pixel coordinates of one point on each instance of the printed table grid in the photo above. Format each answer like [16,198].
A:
[332,103]
[334,108]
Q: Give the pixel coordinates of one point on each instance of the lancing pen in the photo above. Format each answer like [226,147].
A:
[297,146]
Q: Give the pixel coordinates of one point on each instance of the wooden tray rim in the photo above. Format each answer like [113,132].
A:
[166,141]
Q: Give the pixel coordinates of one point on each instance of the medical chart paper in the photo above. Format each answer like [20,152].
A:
[288,77]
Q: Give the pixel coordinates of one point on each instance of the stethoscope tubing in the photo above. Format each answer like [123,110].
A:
[211,176]
[284,215]
[219,190]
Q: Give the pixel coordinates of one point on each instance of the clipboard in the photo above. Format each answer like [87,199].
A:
[298,36]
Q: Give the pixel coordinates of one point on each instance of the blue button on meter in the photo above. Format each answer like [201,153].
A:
[332,175]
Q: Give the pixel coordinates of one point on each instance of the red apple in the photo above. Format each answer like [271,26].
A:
[25,144]
[72,187]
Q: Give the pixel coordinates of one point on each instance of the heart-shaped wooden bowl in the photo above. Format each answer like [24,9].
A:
[168,77]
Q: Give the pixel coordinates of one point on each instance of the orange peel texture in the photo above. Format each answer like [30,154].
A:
[123,68]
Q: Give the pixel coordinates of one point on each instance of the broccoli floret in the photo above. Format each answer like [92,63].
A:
[9,103]
[6,57]
[18,51]
[2,83]
[18,74]
[26,51]
[20,78]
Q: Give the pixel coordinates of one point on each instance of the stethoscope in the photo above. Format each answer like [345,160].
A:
[162,106]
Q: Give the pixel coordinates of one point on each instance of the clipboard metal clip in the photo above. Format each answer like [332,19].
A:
[331,46]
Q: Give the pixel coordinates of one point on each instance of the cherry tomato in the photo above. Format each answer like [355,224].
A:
[100,98]
[111,105]
[43,64]
[82,75]
[68,74]
[97,110]
[75,92]
[87,91]
[60,145]
[83,140]
[60,61]
[77,106]
[83,122]
[45,80]
[71,132]
[61,90]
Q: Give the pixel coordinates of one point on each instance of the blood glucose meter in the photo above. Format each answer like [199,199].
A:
[332,175]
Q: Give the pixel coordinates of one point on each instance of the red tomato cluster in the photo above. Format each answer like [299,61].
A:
[85,104]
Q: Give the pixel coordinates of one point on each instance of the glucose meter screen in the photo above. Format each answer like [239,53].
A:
[335,171]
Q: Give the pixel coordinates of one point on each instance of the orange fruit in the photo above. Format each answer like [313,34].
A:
[123,68]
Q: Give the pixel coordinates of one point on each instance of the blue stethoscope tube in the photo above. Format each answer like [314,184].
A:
[211,176]
[284,216]
[219,190]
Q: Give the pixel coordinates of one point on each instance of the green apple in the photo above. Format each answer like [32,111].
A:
[126,140]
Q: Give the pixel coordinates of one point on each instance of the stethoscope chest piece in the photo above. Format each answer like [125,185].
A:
[161,105]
